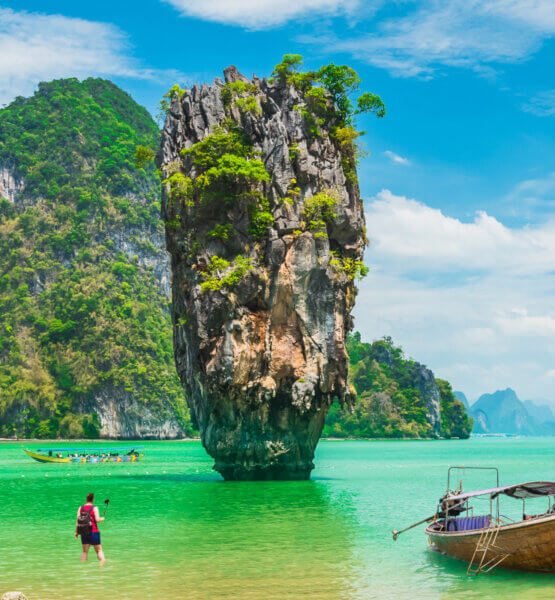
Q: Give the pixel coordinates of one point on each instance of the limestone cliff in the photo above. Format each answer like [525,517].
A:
[425,383]
[421,379]
[265,227]
[10,185]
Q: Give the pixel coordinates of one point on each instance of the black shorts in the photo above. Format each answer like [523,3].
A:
[93,539]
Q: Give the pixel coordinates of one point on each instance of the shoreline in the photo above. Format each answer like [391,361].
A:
[330,439]
[197,439]
[98,440]
[325,439]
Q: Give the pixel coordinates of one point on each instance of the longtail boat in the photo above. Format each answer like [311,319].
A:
[491,540]
[123,454]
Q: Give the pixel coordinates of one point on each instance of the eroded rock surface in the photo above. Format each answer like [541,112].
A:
[261,358]
[10,185]
[123,417]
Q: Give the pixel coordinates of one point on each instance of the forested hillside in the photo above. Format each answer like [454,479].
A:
[85,334]
[395,397]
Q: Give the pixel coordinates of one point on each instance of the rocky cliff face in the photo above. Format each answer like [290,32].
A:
[426,384]
[422,379]
[10,185]
[122,416]
[265,228]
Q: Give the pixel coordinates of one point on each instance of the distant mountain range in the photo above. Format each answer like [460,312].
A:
[504,412]
[541,413]
[460,396]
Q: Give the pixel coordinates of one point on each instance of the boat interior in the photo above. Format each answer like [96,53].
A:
[454,513]
[462,523]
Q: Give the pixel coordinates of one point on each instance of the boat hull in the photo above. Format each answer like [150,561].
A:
[530,545]
[46,459]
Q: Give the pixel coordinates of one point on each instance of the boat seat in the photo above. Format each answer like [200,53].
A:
[468,523]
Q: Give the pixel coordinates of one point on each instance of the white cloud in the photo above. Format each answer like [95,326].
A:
[396,158]
[542,104]
[551,373]
[474,34]
[521,324]
[535,13]
[424,239]
[472,300]
[534,189]
[532,198]
[260,14]
[36,47]
[414,38]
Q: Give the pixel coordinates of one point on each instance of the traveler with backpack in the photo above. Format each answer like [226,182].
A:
[86,526]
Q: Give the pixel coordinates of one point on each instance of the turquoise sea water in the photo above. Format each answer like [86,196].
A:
[174,529]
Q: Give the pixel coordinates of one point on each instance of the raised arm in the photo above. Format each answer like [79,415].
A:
[97,516]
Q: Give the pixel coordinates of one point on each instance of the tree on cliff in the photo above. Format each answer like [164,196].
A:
[84,319]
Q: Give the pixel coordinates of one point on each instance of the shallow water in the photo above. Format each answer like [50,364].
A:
[175,530]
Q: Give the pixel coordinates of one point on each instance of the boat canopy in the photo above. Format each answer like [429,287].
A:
[93,449]
[531,489]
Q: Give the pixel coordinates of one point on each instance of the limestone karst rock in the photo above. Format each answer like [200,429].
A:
[265,227]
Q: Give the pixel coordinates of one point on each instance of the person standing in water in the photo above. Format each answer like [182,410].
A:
[86,525]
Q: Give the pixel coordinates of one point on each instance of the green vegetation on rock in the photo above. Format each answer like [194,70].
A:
[226,171]
[243,95]
[226,165]
[223,171]
[165,102]
[319,212]
[390,399]
[328,94]
[354,269]
[219,275]
[82,315]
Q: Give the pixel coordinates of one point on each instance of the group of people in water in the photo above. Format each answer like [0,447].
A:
[98,455]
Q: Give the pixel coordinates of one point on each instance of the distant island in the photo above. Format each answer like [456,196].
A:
[396,398]
[503,412]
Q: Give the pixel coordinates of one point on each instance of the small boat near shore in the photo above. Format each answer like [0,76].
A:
[491,540]
[122,454]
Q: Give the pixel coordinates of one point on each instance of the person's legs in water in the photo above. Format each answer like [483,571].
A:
[85,552]
[100,554]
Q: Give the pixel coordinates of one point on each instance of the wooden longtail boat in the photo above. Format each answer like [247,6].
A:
[494,540]
[87,455]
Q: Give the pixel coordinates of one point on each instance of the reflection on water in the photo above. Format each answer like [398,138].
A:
[252,541]
[176,530]
[500,583]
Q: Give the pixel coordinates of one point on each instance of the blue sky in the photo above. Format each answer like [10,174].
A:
[459,182]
